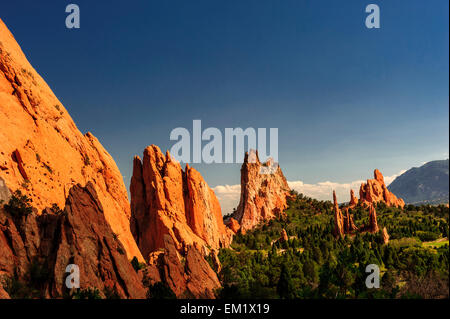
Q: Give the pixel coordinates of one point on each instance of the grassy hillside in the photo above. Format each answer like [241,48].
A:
[314,264]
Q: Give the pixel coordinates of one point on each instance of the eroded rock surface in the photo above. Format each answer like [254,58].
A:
[167,200]
[78,235]
[176,211]
[263,195]
[375,191]
[43,153]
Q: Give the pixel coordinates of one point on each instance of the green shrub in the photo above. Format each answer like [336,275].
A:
[427,236]
[18,289]
[160,290]
[89,293]
[136,264]
[19,205]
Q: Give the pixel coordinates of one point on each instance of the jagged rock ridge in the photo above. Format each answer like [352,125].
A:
[167,202]
[375,191]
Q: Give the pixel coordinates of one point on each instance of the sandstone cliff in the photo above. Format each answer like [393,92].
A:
[264,192]
[167,200]
[42,152]
[78,235]
[175,216]
[375,191]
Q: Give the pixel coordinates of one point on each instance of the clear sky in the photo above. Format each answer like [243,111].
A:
[346,99]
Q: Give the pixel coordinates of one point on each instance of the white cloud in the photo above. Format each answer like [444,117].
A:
[229,195]
[390,179]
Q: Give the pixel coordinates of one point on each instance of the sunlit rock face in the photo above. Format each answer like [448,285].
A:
[42,152]
[263,195]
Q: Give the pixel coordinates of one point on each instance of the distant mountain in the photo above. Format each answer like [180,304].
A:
[425,184]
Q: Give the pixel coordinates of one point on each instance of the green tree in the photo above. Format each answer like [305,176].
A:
[285,288]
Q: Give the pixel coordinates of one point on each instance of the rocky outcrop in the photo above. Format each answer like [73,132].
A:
[338,218]
[3,293]
[176,211]
[78,235]
[264,192]
[344,222]
[375,191]
[373,224]
[385,236]
[42,152]
[284,237]
[353,199]
[188,276]
[203,212]
[166,200]
[232,224]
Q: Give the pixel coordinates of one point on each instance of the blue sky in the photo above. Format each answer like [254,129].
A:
[346,99]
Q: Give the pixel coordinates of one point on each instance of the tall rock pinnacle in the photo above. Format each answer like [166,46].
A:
[176,212]
[263,196]
[167,200]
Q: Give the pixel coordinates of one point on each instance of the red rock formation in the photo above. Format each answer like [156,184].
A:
[176,211]
[373,224]
[80,235]
[3,293]
[188,277]
[344,224]
[41,145]
[263,195]
[353,199]
[338,218]
[203,211]
[18,159]
[385,236]
[166,200]
[232,224]
[284,237]
[375,191]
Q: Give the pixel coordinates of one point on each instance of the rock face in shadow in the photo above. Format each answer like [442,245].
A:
[42,151]
[264,192]
[375,191]
[189,276]
[78,235]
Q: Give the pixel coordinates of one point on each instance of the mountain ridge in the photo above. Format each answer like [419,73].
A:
[428,183]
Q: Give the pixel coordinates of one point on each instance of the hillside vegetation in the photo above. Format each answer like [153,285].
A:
[312,263]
